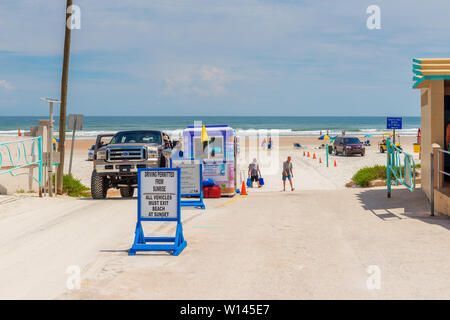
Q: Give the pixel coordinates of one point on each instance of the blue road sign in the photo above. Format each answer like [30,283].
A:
[158,200]
[394,123]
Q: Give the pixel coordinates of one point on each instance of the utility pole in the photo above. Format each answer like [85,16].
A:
[63,112]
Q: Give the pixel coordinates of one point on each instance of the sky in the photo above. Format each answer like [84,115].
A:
[230,57]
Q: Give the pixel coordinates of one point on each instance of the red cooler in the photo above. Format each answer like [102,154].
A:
[211,192]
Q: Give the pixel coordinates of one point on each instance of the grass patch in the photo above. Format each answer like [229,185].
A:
[377,172]
[73,187]
[367,174]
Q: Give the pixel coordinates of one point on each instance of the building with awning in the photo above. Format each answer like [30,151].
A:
[432,78]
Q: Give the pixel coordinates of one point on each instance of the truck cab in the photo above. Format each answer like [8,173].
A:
[116,163]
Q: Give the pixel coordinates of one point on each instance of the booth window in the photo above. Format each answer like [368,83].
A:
[212,149]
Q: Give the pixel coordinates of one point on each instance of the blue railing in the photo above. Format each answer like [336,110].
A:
[28,154]
[402,167]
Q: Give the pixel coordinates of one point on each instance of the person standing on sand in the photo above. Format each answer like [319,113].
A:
[253,170]
[263,144]
[287,173]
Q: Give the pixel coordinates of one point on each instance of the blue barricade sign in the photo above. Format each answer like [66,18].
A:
[191,181]
[158,200]
[394,123]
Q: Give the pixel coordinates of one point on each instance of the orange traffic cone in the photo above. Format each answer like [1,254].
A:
[308,154]
[320,160]
[243,189]
[314,156]
[335,163]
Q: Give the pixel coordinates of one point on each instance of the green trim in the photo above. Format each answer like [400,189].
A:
[397,159]
[21,158]
[436,77]
[418,82]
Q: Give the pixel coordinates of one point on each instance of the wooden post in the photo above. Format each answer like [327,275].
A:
[63,112]
[71,147]
[50,152]
[388,169]
[432,183]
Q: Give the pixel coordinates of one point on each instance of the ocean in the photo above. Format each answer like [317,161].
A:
[173,125]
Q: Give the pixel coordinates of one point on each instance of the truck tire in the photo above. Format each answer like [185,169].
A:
[127,192]
[98,186]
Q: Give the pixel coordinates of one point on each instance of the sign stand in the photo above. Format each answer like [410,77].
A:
[189,186]
[158,200]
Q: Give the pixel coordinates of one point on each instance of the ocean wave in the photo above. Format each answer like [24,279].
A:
[177,133]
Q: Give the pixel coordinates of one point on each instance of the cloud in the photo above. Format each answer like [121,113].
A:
[280,56]
[199,80]
[5,84]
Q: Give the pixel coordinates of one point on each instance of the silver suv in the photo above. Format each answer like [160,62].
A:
[116,163]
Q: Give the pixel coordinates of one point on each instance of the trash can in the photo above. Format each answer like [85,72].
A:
[330,149]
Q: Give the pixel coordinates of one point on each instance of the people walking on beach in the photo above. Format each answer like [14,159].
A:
[287,173]
[269,144]
[263,144]
[254,173]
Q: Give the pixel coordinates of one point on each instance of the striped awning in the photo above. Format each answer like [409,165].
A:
[428,69]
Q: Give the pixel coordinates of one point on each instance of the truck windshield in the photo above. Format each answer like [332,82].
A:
[351,140]
[137,137]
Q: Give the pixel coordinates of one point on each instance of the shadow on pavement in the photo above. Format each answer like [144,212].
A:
[108,199]
[403,204]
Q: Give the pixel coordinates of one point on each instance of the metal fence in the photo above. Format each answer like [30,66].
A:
[15,155]
[401,166]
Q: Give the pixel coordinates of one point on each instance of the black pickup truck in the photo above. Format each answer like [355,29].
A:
[116,163]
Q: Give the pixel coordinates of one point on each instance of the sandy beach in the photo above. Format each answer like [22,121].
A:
[309,174]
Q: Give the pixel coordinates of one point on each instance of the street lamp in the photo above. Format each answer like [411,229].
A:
[51,101]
